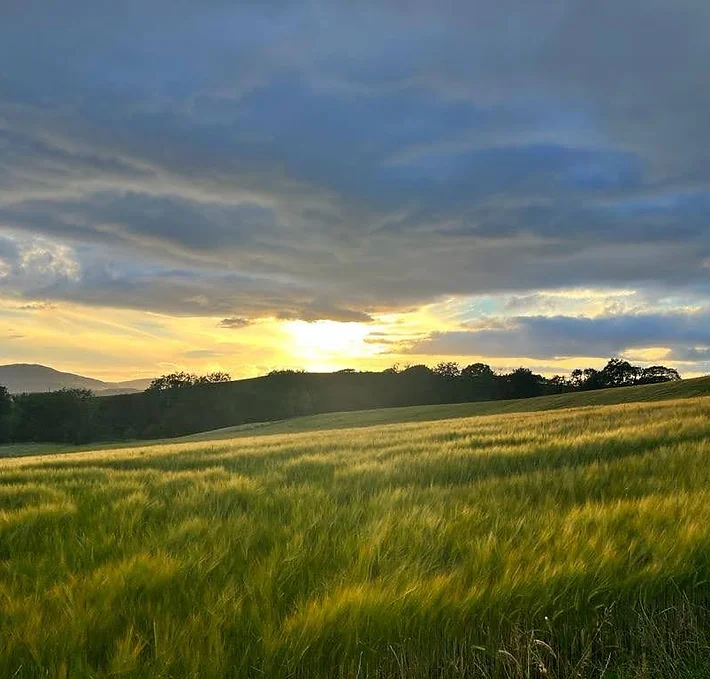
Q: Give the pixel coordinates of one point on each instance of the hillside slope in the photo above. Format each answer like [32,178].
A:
[684,389]
[699,386]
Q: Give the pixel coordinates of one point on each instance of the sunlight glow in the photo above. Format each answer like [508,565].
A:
[324,345]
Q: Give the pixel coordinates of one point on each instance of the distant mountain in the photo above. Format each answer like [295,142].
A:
[28,378]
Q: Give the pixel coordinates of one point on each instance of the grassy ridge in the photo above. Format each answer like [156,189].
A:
[691,388]
[551,544]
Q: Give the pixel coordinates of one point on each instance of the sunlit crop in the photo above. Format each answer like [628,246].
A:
[556,544]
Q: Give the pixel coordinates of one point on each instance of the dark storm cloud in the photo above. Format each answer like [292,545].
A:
[246,159]
[687,335]
[184,293]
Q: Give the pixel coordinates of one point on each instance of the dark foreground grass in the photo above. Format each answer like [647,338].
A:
[552,544]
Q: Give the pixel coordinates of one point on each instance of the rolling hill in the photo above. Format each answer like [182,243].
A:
[30,378]
[667,391]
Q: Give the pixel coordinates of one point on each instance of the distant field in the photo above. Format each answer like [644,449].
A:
[571,543]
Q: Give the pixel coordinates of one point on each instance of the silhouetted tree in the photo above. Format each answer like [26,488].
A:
[479,383]
[577,378]
[619,373]
[592,379]
[418,370]
[559,383]
[280,372]
[524,383]
[477,370]
[5,414]
[178,380]
[658,373]
[449,370]
[183,380]
[213,378]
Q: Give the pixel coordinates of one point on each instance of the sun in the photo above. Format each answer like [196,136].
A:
[325,345]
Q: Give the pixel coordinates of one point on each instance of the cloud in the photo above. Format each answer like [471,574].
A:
[259,159]
[692,354]
[234,323]
[686,335]
[30,262]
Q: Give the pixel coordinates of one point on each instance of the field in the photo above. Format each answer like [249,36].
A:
[559,543]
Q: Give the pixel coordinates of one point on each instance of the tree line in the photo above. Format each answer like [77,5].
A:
[183,403]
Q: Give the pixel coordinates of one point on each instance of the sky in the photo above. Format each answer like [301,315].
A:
[252,185]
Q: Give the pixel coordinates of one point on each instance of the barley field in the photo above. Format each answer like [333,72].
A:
[563,543]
